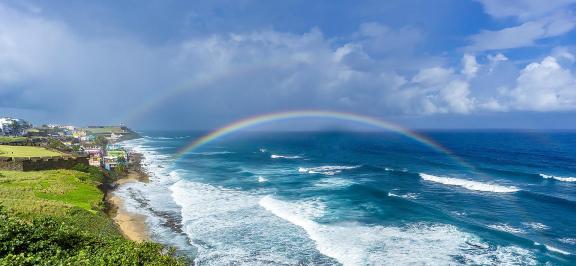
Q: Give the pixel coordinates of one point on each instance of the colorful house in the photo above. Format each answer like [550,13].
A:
[114,156]
[95,156]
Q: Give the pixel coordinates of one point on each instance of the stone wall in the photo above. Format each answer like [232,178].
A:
[7,163]
[41,163]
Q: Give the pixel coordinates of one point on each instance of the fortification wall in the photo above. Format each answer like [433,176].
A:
[41,163]
[7,163]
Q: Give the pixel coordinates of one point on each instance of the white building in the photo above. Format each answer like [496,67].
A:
[13,126]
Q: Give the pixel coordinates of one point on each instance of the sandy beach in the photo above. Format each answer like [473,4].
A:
[132,225]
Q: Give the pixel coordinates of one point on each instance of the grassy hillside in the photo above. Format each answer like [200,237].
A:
[25,151]
[104,130]
[8,139]
[56,218]
[49,192]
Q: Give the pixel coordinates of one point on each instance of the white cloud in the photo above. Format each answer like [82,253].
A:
[249,72]
[545,86]
[523,9]
[378,70]
[470,65]
[434,76]
[441,90]
[309,72]
[535,20]
[494,59]
[525,34]
[456,95]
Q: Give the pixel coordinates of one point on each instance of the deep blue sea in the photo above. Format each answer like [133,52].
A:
[361,198]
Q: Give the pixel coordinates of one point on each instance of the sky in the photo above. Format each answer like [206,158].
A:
[166,64]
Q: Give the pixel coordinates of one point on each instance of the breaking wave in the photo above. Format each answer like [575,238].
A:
[557,250]
[326,170]
[568,240]
[276,156]
[536,226]
[469,184]
[358,244]
[334,182]
[559,178]
[506,228]
[404,196]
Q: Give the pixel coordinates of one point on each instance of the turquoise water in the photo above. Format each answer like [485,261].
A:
[362,198]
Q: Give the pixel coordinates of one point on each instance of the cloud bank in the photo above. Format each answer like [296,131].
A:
[49,69]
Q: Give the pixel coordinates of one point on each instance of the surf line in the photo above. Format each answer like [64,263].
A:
[344,116]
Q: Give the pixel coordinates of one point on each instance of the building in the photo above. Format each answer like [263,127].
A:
[88,138]
[37,132]
[13,126]
[114,156]
[95,156]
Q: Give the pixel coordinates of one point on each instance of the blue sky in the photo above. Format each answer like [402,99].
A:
[202,64]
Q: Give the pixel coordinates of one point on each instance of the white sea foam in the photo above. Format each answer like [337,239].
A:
[151,198]
[334,182]
[506,228]
[229,228]
[392,169]
[559,178]
[326,170]
[262,179]
[557,250]
[356,244]
[404,196]
[568,240]
[536,226]
[276,156]
[162,138]
[469,184]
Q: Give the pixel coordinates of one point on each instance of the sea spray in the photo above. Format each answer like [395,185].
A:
[356,244]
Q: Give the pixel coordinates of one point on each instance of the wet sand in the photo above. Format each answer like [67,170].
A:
[132,225]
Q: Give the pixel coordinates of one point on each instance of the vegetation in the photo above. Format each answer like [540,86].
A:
[49,192]
[57,145]
[101,141]
[56,218]
[8,140]
[95,173]
[104,130]
[25,151]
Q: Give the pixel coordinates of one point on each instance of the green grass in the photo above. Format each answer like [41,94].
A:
[51,192]
[11,139]
[56,217]
[104,130]
[116,153]
[25,151]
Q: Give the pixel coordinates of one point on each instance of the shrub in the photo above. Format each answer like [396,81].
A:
[57,145]
[48,241]
[96,173]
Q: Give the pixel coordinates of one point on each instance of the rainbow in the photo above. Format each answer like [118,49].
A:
[261,119]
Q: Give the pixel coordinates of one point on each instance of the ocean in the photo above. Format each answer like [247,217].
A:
[361,198]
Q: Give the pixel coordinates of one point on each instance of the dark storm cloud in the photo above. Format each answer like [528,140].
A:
[165,65]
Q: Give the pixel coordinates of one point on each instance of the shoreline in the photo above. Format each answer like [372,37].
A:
[132,225]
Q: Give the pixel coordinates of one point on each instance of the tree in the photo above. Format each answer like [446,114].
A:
[101,141]
[57,145]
